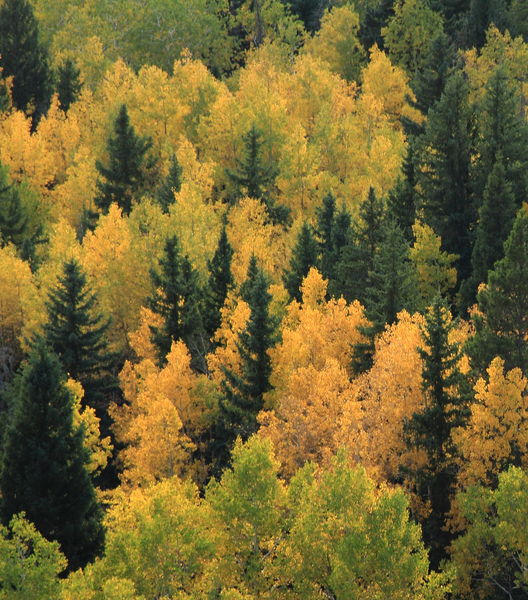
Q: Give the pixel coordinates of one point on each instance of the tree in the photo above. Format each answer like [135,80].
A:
[69,85]
[254,178]
[309,11]
[177,300]
[444,174]
[371,213]
[305,255]
[24,57]
[496,216]
[13,220]
[501,322]
[402,199]
[220,282]
[482,14]
[171,185]
[44,462]
[244,391]
[430,430]
[128,164]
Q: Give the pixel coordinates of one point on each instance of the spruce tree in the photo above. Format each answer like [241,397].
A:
[325,226]
[243,393]
[445,157]
[43,471]
[170,186]
[128,164]
[177,300]
[501,323]
[304,257]
[447,403]
[13,218]
[371,213]
[69,84]
[496,216]
[402,199]
[75,332]
[23,56]
[219,283]
[256,179]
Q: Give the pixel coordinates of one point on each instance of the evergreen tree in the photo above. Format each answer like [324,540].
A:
[177,300]
[377,15]
[220,282]
[69,84]
[244,392]
[23,56]
[309,11]
[256,179]
[518,18]
[504,132]
[482,14]
[445,158]
[325,225]
[43,470]
[304,257]
[75,332]
[496,216]
[501,323]
[447,401]
[371,213]
[13,220]
[171,185]
[401,202]
[128,165]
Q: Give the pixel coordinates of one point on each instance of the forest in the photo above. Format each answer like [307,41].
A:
[263,300]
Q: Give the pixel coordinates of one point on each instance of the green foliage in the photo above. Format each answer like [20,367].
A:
[126,175]
[305,255]
[29,564]
[177,300]
[13,220]
[402,199]
[23,56]
[43,471]
[69,84]
[170,186]
[502,320]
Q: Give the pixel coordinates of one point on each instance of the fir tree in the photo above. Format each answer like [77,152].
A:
[401,202]
[69,84]
[496,216]
[256,179]
[13,220]
[23,56]
[447,401]
[325,225]
[372,214]
[43,471]
[244,392]
[75,332]
[501,323]
[171,185]
[128,164]
[220,282]
[177,300]
[304,257]
[445,158]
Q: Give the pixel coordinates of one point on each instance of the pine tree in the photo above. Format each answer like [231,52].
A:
[447,402]
[304,257]
[256,179]
[75,332]
[325,225]
[445,158]
[401,202]
[220,282]
[69,84]
[13,220]
[244,392]
[177,300]
[128,165]
[23,56]
[43,470]
[496,216]
[503,131]
[371,213]
[171,185]
[501,323]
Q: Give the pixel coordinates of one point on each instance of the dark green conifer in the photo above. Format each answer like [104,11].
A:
[256,179]
[220,282]
[502,321]
[75,332]
[309,11]
[447,403]
[126,175]
[43,471]
[371,213]
[496,216]
[177,300]
[482,14]
[13,218]
[445,157]
[325,226]
[304,256]
[402,199]
[171,185]
[69,84]
[23,56]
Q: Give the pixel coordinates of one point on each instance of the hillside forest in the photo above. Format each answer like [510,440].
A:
[263,300]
